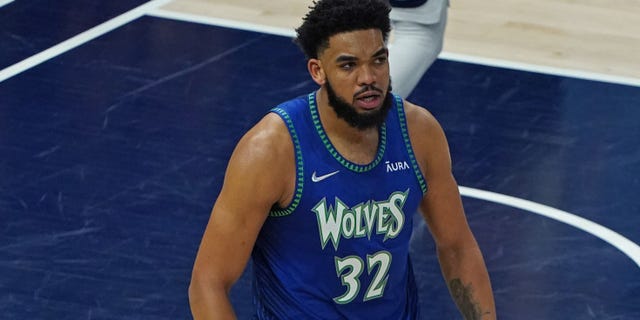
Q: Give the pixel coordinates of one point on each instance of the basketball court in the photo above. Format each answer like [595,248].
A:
[117,121]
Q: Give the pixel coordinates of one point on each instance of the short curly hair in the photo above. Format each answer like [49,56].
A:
[327,18]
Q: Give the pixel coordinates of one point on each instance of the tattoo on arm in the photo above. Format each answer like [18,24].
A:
[463,297]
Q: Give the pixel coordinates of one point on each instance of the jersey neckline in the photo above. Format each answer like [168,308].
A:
[315,116]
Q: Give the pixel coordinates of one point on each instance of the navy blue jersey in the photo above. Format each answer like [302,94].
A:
[407,3]
[340,250]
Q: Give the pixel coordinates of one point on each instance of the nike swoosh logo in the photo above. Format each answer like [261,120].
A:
[315,178]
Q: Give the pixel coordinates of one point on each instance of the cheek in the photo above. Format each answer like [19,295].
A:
[345,92]
[383,72]
[343,78]
[343,85]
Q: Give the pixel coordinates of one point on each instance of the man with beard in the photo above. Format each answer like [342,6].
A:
[321,192]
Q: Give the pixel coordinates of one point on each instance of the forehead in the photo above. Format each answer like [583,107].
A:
[359,43]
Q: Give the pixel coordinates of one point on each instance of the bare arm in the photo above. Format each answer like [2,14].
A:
[460,257]
[255,179]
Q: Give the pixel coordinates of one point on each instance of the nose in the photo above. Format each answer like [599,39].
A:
[366,75]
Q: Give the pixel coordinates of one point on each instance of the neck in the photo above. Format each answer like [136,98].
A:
[358,146]
[334,125]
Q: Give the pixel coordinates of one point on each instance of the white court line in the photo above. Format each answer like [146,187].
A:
[151,8]
[540,69]
[628,247]
[623,244]
[5,2]
[444,55]
[161,13]
[80,39]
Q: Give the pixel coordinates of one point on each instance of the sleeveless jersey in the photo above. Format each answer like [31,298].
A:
[340,250]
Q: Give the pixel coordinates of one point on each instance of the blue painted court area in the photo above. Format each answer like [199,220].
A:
[28,27]
[113,153]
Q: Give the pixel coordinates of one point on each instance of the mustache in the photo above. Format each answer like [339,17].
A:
[368,88]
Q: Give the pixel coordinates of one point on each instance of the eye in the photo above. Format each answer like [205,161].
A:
[347,66]
[380,60]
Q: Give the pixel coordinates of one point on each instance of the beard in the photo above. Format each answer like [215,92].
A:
[360,121]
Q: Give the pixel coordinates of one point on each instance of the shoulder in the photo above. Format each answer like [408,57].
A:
[266,141]
[421,123]
[427,137]
[262,163]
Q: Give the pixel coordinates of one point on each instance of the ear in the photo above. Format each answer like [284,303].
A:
[316,71]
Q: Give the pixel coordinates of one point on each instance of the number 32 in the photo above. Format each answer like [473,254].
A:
[350,268]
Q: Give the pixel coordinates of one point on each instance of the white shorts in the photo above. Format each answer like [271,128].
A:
[428,13]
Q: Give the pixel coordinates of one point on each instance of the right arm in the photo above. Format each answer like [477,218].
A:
[259,174]
[460,258]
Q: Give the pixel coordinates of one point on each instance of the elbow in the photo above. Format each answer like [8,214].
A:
[197,287]
[209,296]
[205,283]
[455,253]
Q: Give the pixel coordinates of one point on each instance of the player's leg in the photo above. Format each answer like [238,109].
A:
[413,48]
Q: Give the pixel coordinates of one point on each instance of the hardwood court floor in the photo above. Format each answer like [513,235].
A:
[590,36]
[114,141]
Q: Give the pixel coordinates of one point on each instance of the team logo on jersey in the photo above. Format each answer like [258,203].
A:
[316,178]
[372,217]
[397,166]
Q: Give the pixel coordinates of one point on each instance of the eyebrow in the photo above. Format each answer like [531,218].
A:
[349,58]
[382,51]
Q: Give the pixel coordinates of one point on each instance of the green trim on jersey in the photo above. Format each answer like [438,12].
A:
[276,212]
[405,134]
[325,140]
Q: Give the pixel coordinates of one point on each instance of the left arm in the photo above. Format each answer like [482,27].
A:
[460,257]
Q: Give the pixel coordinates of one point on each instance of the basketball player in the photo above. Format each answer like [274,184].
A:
[320,193]
[418,36]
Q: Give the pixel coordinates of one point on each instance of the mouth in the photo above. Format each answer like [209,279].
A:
[368,100]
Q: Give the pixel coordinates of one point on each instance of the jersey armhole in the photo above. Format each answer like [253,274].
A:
[275,210]
[407,142]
